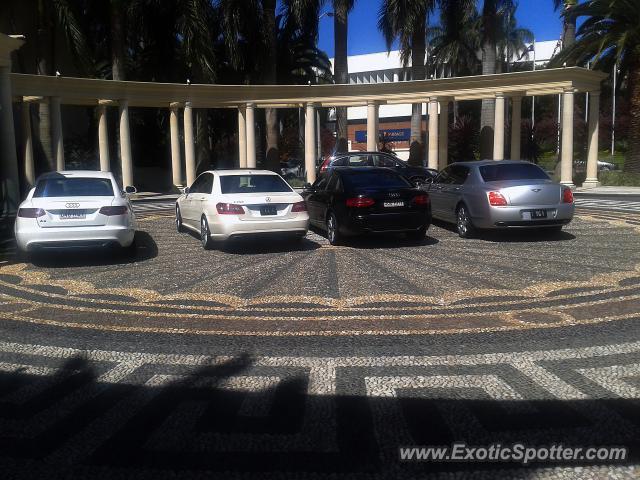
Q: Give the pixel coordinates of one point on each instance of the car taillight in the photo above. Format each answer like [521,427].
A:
[299,207]
[567,195]
[324,166]
[421,200]
[229,209]
[360,202]
[496,199]
[30,212]
[116,210]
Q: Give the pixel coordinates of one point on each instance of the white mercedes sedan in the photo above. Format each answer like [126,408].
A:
[75,209]
[223,204]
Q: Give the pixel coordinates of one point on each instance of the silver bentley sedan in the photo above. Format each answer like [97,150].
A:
[501,194]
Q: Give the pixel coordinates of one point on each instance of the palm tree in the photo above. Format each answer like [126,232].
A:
[406,20]
[610,36]
[512,39]
[569,21]
[341,9]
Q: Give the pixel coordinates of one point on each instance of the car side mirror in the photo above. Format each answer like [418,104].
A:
[130,190]
[186,190]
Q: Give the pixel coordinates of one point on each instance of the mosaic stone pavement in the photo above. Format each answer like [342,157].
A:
[287,361]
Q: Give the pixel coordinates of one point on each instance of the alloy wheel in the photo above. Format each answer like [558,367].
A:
[463,222]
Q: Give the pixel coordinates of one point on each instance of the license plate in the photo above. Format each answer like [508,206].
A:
[534,214]
[268,210]
[73,215]
[393,204]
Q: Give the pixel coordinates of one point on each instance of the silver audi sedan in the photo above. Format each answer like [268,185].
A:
[501,194]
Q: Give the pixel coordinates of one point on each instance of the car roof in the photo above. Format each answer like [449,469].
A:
[480,163]
[358,170]
[77,173]
[239,171]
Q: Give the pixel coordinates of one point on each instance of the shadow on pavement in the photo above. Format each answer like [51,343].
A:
[514,236]
[238,420]
[380,240]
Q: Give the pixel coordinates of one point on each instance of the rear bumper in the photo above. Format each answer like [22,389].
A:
[512,217]
[31,237]
[358,224]
[230,226]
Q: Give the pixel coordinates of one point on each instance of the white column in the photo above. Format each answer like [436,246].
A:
[251,135]
[103,138]
[125,145]
[189,144]
[372,126]
[433,133]
[56,133]
[516,125]
[176,156]
[592,150]
[566,161]
[443,137]
[242,136]
[498,128]
[310,143]
[27,141]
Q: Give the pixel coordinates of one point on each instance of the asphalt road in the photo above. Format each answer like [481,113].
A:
[310,361]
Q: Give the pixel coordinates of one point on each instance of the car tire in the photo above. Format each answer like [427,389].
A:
[464,226]
[179,224]
[205,234]
[418,235]
[333,231]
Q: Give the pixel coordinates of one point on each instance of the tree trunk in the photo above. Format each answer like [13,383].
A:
[487,116]
[568,26]
[418,50]
[341,75]
[272,160]
[632,161]
[117,41]
[44,37]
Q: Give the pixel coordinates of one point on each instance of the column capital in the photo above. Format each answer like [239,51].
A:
[188,105]
[499,95]
[107,103]
[123,102]
[433,99]
[250,105]
[373,102]
[569,90]
[32,99]
[176,105]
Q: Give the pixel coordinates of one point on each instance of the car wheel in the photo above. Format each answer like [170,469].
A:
[179,225]
[205,234]
[418,234]
[463,222]
[333,234]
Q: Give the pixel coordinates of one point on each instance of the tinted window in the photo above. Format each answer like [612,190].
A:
[197,185]
[207,184]
[331,186]
[320,183]
[444,176]
[356,161]
[384,161]
[253,184]
[375,180]
[459,174]
[512,171]
[74,187]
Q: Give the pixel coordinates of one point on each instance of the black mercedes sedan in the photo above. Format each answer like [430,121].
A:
[352,201]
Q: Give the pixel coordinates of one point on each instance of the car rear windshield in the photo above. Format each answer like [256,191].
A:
[253,184]
[375,180]
[74,187]
[512,171]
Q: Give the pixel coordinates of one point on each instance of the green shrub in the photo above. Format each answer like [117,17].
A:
[617,178]
[296,182]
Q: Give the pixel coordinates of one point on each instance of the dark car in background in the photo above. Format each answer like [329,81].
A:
[351,201]
[378,159]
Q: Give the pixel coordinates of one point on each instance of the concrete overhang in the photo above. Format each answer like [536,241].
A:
[86,91]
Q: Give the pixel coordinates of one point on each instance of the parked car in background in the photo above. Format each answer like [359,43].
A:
[71,209]
[292,168]
[378,159]
[353,201]
[499,195]
[223,204]
[603,166]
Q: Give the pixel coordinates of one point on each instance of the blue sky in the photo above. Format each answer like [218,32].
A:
[364,37]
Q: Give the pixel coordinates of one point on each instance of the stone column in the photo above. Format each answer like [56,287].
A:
[592,149]
[242,136]
[189,144]
[103,137]
[443,138]
[498,128]
[27,141]
[9,180]
[125,145]
[56,133]
[251,135]
[310,143]
[433,133]
[516,126]
[176,156]
[566,160]
[372,126]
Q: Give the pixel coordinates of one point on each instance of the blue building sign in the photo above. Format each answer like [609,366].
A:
[391,134]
